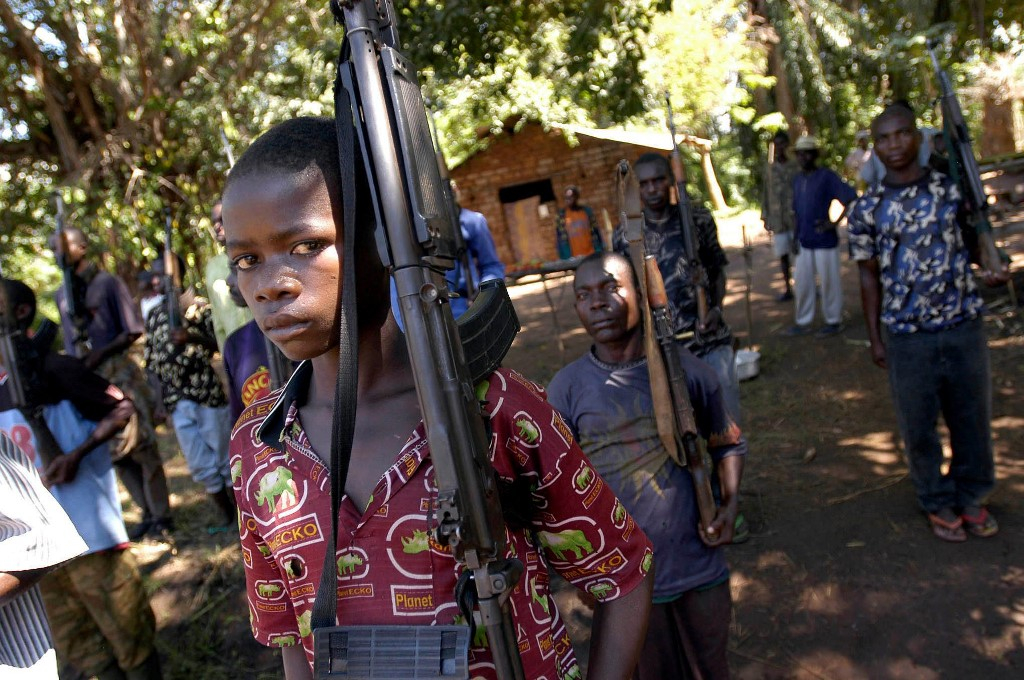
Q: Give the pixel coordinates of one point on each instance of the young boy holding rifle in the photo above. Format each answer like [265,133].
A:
[283,218]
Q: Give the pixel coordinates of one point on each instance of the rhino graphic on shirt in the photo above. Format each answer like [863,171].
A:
[536,597]
[569,540]
[305,622]
[416,543]
[528,432]
[348,562]
[276,484]
[267,589]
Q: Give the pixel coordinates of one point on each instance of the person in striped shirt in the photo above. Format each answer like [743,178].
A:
[36,535]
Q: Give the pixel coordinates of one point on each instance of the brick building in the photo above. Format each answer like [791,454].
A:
[518,182]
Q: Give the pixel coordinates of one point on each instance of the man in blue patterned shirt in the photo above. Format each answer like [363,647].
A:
[916,282]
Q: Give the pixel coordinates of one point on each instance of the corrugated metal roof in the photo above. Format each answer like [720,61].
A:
[654,139]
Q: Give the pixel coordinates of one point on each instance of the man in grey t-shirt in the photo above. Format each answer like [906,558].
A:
[605,397]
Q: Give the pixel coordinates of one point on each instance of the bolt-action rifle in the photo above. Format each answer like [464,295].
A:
[673,411]
[691,240]
[381,119]
[172,276]
[76,316]
[16,357]
[964,167]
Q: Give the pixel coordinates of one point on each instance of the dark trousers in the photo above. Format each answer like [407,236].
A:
[687,638]
[944,372]
[142,473]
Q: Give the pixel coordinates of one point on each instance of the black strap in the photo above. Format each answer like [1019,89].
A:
[325,608]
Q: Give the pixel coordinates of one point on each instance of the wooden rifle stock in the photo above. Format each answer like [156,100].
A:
[689,440]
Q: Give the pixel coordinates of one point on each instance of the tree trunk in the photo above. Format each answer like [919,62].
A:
[783,95]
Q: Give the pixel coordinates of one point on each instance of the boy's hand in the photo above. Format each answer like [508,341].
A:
[722,527]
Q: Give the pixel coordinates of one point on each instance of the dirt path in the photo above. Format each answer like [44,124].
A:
[841,578]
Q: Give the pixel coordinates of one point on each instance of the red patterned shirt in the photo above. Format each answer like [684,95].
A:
[389,570]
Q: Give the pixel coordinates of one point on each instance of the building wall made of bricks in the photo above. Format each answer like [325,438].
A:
[535,155]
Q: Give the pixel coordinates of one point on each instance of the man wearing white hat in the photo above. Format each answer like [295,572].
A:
[814,189]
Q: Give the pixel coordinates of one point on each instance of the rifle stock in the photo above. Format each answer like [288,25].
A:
[418,239]
[689,440]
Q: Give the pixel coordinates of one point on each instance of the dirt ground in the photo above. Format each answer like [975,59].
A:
[841,578]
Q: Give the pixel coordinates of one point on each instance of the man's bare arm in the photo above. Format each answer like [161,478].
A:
[296,666]
[871,303]
[15,583]
[620,627]
[65,468]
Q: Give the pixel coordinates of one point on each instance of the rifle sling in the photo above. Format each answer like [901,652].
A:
[325,607]
[632,218]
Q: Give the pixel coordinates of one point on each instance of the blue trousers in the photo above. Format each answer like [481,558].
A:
[944,372]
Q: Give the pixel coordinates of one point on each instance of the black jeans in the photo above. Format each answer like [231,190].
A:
[944,372]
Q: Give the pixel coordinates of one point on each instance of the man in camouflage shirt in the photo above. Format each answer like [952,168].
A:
[906,235]
[663,238]
[180,358]
[777,208]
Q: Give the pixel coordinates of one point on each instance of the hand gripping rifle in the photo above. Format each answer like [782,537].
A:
[381,119]
[677,425]
[691,240]
[16,356]
[80,341]
[963,166]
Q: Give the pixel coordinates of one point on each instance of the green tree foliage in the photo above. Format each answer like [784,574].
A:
[121,107]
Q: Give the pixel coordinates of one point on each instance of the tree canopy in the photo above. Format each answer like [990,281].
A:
[130,107]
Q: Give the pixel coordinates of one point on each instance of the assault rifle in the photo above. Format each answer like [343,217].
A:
[673,411]
[963,166]
[691,241]
[75,316]
[16,356]
[381,120]
[171,276]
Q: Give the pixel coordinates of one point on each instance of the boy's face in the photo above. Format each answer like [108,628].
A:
[606,300]
[282,238]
